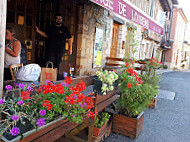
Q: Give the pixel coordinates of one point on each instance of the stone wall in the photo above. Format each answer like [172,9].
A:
[3,8]
[91,16]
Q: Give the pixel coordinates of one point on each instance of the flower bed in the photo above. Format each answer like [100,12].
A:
[42,105]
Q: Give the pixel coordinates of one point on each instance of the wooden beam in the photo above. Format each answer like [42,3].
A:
[106,103]
[3,11]
[78,129]
[114,59]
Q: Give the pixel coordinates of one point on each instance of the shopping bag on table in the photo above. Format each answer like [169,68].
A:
[48,73]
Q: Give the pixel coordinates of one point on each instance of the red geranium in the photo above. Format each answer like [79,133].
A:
[68,80]
[25,95]
[126,64]
[129,85]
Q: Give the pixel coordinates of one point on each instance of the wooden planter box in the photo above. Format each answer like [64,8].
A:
[153,103]
[128,126]
[49,132]
[97,131]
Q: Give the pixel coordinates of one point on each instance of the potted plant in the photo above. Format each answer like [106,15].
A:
[100,123]
[105,81]
[132,102]
[39,106]
[151,78]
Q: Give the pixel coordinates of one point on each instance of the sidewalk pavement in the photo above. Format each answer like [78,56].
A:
[161,71]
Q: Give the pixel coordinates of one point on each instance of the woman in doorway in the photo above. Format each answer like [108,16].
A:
[12,52]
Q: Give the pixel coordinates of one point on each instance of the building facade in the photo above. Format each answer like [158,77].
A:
[173,57]
[119,29]
[99,29]
[185,63]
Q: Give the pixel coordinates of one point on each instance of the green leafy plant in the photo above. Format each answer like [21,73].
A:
[134,96]
[107,78]
[151,78]
[154,63]
[165,67]
[101,119]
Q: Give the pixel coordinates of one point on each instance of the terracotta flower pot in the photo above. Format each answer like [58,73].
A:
[128,126]
[97,131]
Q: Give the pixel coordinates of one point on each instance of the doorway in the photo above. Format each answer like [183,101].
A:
[24,15]
[115,32]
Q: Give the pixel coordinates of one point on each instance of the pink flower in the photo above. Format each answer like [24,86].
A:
[20,102]
[15,117]
[41,122]
[29,88]
[42,112]
[9,87]
[1,101]
[21,86]
[14,131]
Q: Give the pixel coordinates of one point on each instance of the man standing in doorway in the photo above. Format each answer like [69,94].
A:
[56,36]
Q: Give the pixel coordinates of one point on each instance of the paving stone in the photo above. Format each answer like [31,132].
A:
[163,94]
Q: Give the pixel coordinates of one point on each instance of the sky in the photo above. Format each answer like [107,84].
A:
[185,4]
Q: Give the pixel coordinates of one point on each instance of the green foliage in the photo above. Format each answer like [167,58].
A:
[153,64]
[135,95]
[152,79]
[101,119]
[131,42]
[165,67]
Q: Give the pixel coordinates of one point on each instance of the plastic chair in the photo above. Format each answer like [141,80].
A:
[13,69]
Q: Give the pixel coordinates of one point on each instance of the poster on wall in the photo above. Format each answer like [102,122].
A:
[98,47]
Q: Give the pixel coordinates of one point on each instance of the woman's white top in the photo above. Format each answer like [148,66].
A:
[10,60]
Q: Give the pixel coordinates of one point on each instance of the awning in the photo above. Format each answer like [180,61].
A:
[127,11]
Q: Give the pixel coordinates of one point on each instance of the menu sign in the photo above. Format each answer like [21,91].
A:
[125,10]
[98,47]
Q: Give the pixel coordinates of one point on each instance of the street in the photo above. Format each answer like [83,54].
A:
[170,120]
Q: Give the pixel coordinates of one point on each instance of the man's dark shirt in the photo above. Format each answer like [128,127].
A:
[57,38]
